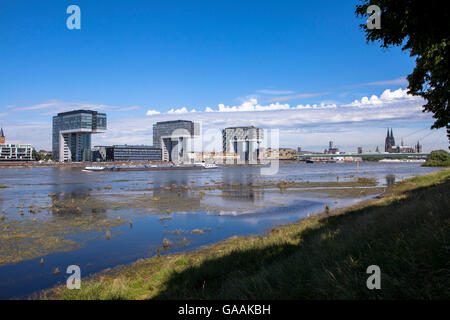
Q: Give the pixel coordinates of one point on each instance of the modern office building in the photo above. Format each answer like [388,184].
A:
[133,153]
[244,141]
[175,139]
[72,134]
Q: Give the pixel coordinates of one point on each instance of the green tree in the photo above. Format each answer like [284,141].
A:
[438,158]
[422,28]
[36,156]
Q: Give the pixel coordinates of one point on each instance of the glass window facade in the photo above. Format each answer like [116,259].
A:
[133,153]
[173,137]
[71,136]
[16,152]
[244,141]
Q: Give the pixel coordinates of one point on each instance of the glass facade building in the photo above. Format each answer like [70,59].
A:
[71,138]
[174,138]
[133,153]
[244,141]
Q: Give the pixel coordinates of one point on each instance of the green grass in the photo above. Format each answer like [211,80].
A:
[406,233]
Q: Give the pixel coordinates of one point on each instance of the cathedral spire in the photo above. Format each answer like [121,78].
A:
[2,137]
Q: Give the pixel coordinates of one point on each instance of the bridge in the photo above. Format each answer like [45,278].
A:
[366,155]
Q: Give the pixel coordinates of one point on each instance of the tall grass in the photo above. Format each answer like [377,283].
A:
[406,233]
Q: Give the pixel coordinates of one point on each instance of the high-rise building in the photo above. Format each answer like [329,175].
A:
[175,139]
[72,134]
[244,141]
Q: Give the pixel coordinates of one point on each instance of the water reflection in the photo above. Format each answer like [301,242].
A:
[390,180]
[231,189]
[76,201]
[241,187]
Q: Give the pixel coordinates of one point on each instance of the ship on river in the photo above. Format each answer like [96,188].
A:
[195,166]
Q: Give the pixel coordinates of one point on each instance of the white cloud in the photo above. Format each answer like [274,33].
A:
[393,108]
[152,112]
[398,81]
[386,98]
[178,111]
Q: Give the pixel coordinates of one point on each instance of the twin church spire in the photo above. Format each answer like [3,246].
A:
[390,141]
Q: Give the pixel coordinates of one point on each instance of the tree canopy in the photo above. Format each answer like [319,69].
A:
[438,158]
[422,28]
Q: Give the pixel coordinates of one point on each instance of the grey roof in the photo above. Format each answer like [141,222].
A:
[79,111]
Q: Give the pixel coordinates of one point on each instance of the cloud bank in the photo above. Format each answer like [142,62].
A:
[357,122]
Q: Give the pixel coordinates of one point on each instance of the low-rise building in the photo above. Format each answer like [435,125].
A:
[99,153]
[16,152]
[280,153]
[287,154]
[133,153]
[213,157]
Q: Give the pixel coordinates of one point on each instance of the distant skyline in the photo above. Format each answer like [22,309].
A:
[301,67]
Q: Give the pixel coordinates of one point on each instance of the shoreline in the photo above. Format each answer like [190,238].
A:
[176,276]
[36,164]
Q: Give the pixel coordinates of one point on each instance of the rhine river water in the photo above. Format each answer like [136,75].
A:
[100,220]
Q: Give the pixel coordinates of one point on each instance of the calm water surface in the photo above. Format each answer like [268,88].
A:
[220,214]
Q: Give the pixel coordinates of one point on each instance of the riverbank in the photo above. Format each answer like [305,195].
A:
[325,256]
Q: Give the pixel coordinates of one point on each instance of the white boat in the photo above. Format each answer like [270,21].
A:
[402,160]
[95,168]
[209,165]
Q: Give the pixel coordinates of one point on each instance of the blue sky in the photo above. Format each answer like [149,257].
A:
[270,60]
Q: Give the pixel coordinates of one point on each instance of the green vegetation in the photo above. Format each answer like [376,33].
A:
[420,28]
[438,158]
[29,239]
[405,233]
[41,156]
